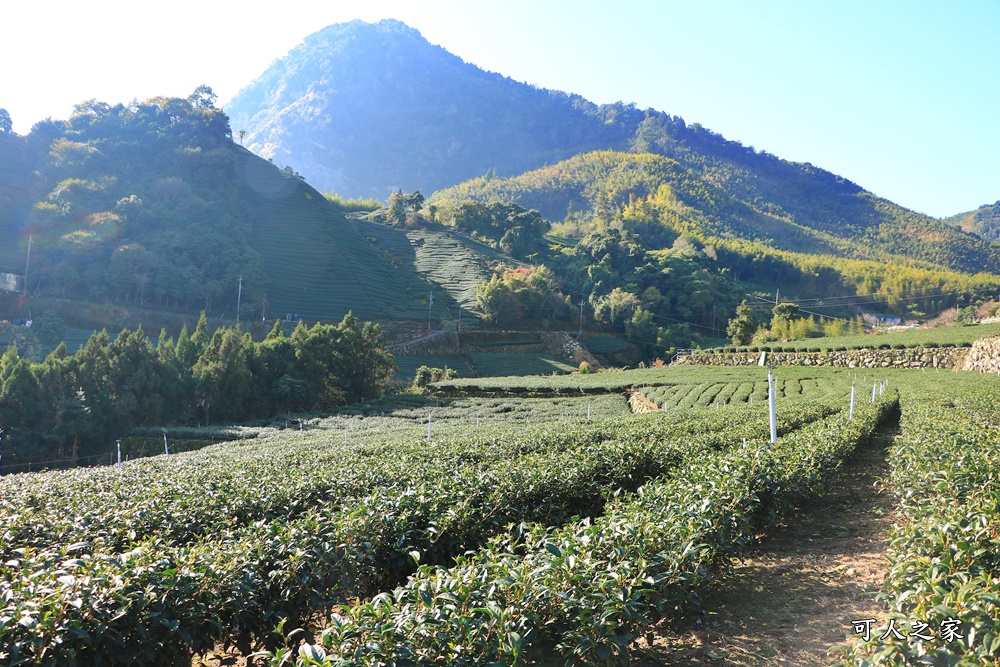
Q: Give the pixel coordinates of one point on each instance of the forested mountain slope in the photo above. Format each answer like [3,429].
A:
[364,109]
[152,204]
[662,198]
[984,221]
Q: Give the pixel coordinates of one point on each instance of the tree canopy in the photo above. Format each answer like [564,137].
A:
[72,406]
[137,203]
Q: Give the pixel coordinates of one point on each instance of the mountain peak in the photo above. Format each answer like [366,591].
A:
[384,30]
[366,108]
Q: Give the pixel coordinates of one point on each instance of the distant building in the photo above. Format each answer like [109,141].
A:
[880,320]
[11,282]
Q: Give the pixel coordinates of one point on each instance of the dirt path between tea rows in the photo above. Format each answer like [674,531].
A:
[793,597]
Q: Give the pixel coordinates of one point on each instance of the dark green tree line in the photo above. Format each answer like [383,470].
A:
[74,406]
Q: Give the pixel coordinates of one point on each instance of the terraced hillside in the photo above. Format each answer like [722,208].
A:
[450,260]
[407,365]
[485,364]
[318,264]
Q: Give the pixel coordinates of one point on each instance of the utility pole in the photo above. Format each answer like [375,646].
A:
[239,298]
[27,260]
[579,334]
[430,303]
[770,405]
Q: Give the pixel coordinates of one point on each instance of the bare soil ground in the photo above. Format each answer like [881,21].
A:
[791,600]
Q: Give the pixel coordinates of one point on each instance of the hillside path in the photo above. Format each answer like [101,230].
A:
[794,595]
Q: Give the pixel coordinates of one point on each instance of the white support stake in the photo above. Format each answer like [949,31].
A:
[852,401]
[165,450]
[770,400]
[588,411]
[428,427]
[119,442]
[874,387]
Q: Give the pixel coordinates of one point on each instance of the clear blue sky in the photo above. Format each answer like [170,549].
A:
[900,97]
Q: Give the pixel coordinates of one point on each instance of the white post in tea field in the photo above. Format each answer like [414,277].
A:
[770,401]
[588,411]
[119,443]
[874,388]
[165,450]
[852,401]
[428,427]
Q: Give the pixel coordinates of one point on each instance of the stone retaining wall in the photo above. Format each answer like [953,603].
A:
[917,357]
[984,356]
